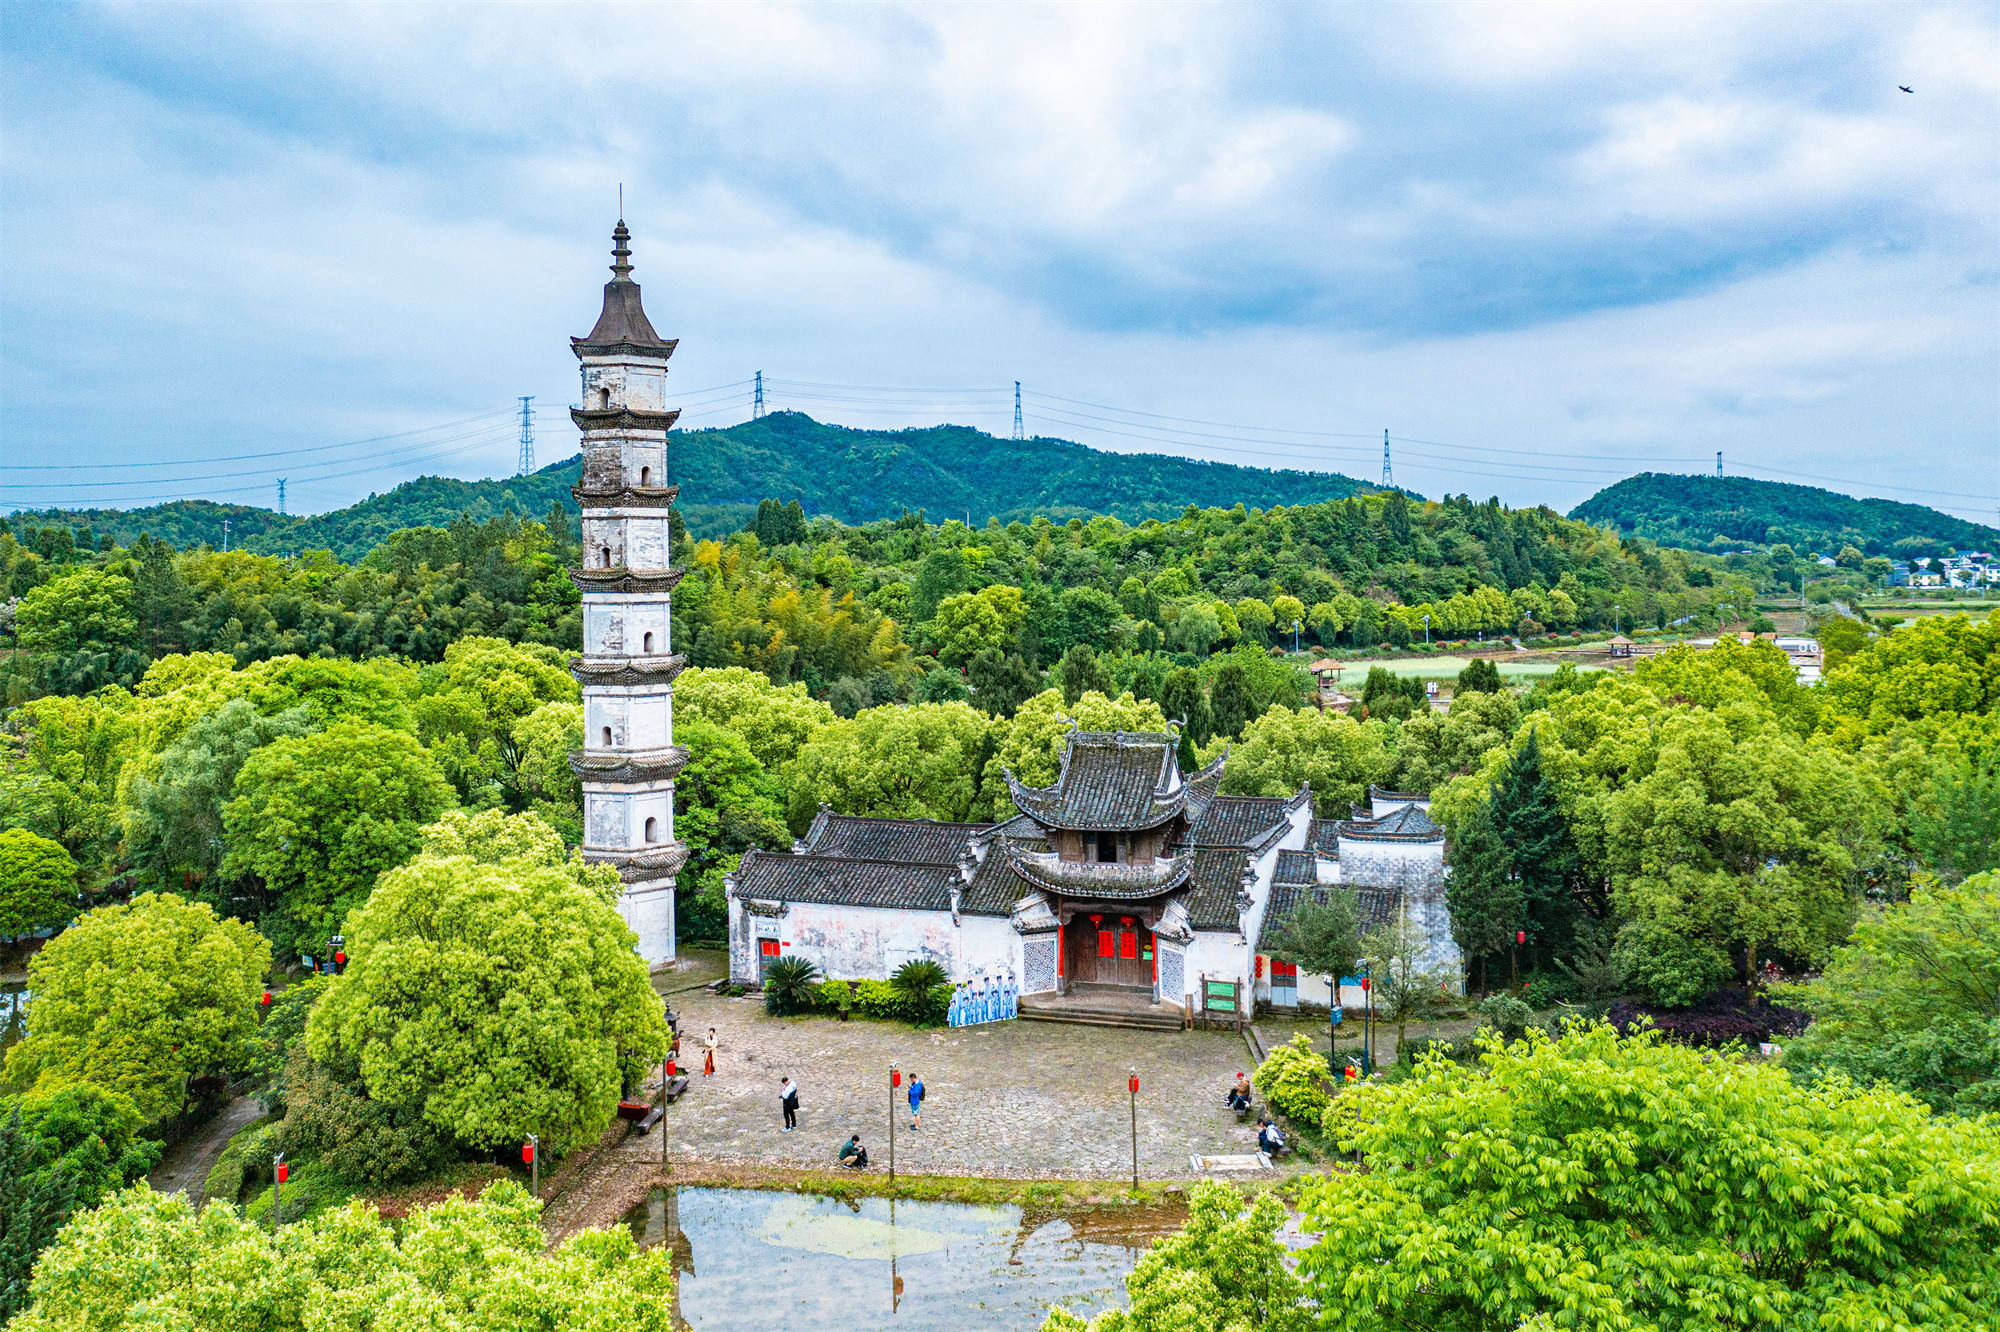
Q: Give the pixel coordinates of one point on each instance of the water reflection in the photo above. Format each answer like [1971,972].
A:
[760,1258]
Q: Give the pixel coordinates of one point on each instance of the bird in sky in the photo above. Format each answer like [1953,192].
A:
[1906,88]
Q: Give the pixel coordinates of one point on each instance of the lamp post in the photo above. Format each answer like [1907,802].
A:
[1295,635]
[1514,957]
[280,1172]
[666,1076]
[1427,629]
[895,1081]
[532,1158]
[1132,1091]
[1617,618]
[1368,1020]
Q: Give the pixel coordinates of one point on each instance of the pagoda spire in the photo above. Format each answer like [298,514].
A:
[621,253]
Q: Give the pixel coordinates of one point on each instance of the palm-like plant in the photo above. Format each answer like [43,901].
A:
[788,984]
[917,978]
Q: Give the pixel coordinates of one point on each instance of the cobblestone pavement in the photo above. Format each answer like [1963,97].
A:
[1036,1099]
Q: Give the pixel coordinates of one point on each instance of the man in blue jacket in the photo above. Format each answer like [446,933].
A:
[916,1101]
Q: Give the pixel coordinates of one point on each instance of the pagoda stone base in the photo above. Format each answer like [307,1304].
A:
[648,909]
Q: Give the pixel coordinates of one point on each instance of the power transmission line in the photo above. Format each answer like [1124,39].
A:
[1019,433]
[1388,476]
[757,398]
[281,494]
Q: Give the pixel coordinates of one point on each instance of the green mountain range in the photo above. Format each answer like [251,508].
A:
[854,475]
[1719,512]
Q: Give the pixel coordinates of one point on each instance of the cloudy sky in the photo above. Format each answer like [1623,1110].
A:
[1544,245]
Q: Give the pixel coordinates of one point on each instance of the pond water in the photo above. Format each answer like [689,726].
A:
[760,1258]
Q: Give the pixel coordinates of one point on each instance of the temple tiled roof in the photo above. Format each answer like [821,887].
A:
[1122,882]
[1407,824]
[902,841]
[1215,887]
[1117,781]
[1244,821]
[843,881]
[995,887]
[1378,906]
[1323,836]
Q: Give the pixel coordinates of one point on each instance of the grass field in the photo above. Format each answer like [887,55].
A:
[1447,668]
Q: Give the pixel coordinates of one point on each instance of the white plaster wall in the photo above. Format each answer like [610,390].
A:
[618,628]
[1218,956]
[639,384]
[987,946]
[648,909]
[637,721]
[616,820]
[864,943]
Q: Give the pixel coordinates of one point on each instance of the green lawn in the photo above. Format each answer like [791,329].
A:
[1445,668]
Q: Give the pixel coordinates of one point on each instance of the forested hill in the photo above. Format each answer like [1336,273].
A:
[1704,512]
[853,475]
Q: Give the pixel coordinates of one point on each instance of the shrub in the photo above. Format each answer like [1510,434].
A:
[1506,1015]
[790,985]
[1294,1079]
[833,996]
[933,1007]
[313,1187]
[246,1160]
[332,1118]
[879,999]
[1544,991]
[1722,1017]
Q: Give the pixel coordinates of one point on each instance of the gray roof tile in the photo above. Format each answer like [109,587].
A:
[904,841]
[841,881]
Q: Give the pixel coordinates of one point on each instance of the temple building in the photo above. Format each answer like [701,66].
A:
[1126,875]
[629,760]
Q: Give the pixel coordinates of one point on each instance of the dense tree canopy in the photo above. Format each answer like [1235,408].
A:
[143,1000]
[498,992]
[1615,1182]
[37,883]
[462,1265]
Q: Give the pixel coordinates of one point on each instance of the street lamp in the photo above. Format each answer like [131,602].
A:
[533,1160]
[280,1172]
[1617,618]
[1295,635]
[1132,1090]
[1427,629]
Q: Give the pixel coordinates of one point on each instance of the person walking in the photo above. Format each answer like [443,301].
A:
[916,1102]
[788,1100]
[708,1045]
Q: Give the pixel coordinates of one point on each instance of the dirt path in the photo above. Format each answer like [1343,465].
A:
[185,1167]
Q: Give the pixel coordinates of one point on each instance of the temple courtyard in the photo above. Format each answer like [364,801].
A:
[1014,1099]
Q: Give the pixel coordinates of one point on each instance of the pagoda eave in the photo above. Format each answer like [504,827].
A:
[663,349]
[622,418]
[619,579]
[627,671]
[626,497]
[627,769]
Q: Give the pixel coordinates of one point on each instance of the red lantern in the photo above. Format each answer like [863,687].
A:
[670,1068]
[284,1172]
[1348,1072]
[340,958]
[1364,985]
[1520,936]
[527,1153]
[895,1077]
[266,1000]
[1132,1084]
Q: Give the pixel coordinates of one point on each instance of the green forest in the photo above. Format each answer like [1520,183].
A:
[1721,513]
[215,765]
[853,475]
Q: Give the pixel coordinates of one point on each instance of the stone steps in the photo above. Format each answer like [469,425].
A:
[1087,1014]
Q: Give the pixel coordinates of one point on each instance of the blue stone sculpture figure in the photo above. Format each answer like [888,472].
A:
[1011,1000]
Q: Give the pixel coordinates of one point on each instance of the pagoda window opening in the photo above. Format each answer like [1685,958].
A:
[604,556]
[1107,848]
[607,737]
[652,830]
[645,477]
[604,398]
[646,643]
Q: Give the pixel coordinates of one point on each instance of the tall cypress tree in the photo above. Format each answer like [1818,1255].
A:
[1482,894]
[34,1203]
[1529,817]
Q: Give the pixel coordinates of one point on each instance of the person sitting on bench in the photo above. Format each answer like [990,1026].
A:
[853,1155]
[1239,1095]
[1269,1140]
